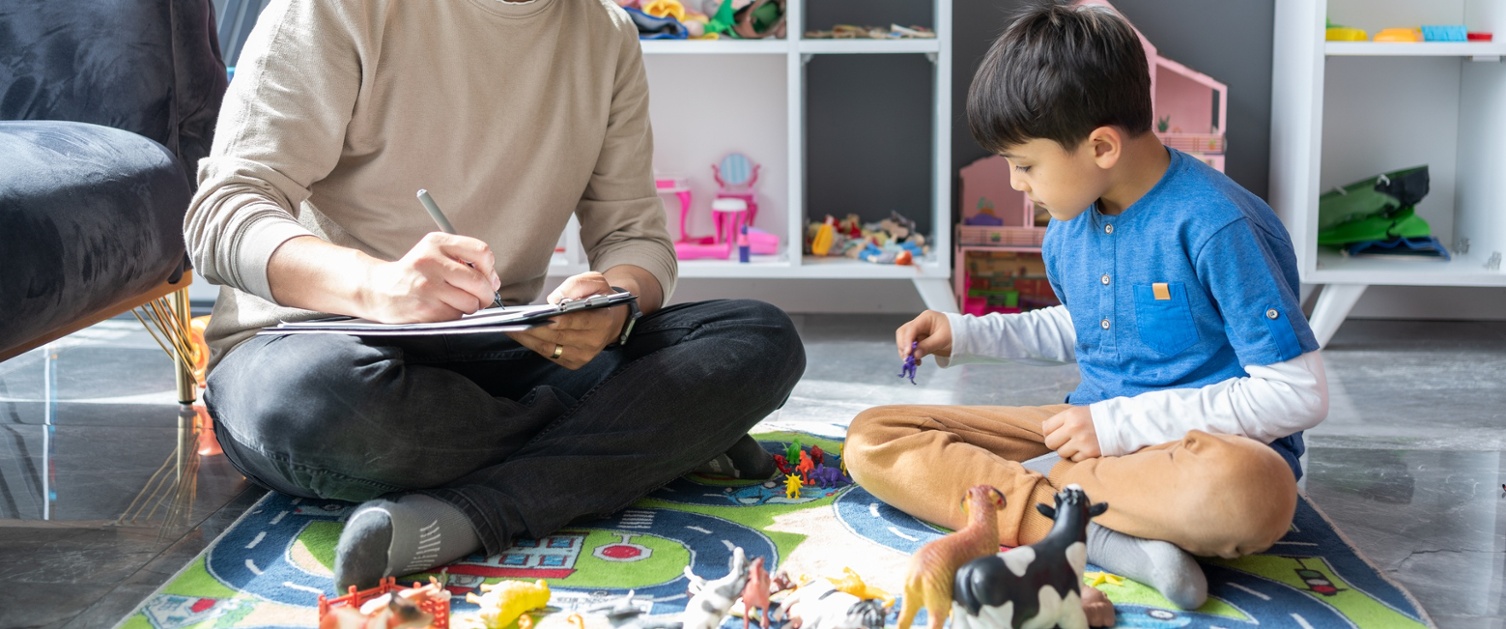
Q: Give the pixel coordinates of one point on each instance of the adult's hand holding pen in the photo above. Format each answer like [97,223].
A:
[441,278]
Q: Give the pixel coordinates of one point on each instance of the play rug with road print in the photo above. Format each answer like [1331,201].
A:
[270,567]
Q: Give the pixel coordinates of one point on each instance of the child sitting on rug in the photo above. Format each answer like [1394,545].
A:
[1179,305]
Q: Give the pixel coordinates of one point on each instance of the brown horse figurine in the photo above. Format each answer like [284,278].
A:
[932,568]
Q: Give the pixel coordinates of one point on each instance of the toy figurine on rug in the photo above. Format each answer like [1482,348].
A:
[822,606]
[504,602]
[387,606]
[711,600]
[1039,585]
[624,613]
[932,569]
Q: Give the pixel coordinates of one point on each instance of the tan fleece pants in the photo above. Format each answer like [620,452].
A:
[1212,495]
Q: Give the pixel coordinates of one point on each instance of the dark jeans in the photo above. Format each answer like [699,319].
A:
[520,444]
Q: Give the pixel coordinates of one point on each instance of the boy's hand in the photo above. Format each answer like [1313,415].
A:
[1071,434]
[931,329]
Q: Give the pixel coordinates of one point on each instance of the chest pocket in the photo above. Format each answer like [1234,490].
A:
[1165,324]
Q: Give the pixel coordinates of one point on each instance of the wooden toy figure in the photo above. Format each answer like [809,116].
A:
[933,567]
[1039,585]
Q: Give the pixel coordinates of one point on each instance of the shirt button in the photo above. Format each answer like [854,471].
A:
[1104,279]
[1105,324]
[1272,314]
[1108,229]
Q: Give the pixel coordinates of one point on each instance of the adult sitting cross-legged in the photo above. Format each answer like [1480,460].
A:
[515,116]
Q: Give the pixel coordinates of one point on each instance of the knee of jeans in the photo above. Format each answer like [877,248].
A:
[1246,487]
[777,338]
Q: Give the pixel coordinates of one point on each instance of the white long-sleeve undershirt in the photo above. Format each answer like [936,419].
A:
[1272,402]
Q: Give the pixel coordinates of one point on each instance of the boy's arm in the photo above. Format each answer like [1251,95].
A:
[1044,336]
[1273,402]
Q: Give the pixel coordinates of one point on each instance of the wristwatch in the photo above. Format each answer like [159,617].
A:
[633,315]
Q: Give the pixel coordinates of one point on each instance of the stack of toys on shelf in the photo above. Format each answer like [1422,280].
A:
[893,240]
[1409,34]
[706,19]
[733,211]
[1376,217]
[852,31]
[1190,110]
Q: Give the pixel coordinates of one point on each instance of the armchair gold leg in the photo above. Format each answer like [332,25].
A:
[168,316]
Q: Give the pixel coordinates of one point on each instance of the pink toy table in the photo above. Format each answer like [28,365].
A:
[680,187]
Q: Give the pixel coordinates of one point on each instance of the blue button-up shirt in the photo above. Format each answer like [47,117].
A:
[1181,290]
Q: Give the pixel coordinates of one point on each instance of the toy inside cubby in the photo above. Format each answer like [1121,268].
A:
[1003,281]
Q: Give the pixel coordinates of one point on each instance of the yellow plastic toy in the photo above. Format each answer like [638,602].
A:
[792,485]
[853,584]
[1345,33]
[1407,35]
[503,603]
[821,243]
[1096,579]
[665,8]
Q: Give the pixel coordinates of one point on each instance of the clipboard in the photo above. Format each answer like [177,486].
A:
[503,319]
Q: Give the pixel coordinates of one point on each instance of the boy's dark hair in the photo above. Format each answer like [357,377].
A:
[1057,73]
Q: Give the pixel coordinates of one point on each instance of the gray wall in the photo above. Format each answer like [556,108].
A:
[868,117]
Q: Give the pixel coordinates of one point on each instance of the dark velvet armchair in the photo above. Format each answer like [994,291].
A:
[105,110]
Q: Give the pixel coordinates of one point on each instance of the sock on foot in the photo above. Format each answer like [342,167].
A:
[411,534]
[1159,564]
[745,459]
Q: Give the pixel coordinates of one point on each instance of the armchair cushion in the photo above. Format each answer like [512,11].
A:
[105,110]
[89,216]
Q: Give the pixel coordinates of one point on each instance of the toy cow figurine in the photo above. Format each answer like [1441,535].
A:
[929,581]
[1039,585]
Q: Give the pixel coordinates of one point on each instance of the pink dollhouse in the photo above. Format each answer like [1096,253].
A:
[1190,111]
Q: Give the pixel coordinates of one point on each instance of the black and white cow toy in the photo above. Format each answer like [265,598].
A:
[1031,587]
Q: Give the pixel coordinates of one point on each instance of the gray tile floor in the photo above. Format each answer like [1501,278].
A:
[104,494]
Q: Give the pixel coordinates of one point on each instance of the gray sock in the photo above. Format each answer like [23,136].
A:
[395,537]
[745,459]
[1043,463]
[1156,563]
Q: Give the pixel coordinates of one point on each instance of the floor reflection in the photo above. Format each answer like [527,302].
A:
[108,487]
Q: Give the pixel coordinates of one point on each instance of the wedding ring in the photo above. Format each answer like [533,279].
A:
[558,351]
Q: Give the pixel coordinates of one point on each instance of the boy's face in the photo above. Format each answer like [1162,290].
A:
[1063,181]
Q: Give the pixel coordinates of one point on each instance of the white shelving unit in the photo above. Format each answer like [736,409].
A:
[708,98]
[1345,111]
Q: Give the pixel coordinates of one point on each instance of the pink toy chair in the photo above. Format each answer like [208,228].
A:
[735,176]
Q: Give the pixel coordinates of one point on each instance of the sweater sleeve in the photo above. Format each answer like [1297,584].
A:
[1043,336]
[1272,402]
[621,216]
[280,130]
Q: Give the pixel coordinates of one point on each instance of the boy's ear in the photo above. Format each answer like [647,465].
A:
[1107,144]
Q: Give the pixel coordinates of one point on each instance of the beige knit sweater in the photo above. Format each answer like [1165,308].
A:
[513,116]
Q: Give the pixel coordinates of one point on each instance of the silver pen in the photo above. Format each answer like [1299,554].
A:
[446,227]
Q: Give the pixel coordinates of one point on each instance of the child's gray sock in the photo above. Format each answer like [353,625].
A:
[1156,563]
[1043,463]
[395,537]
